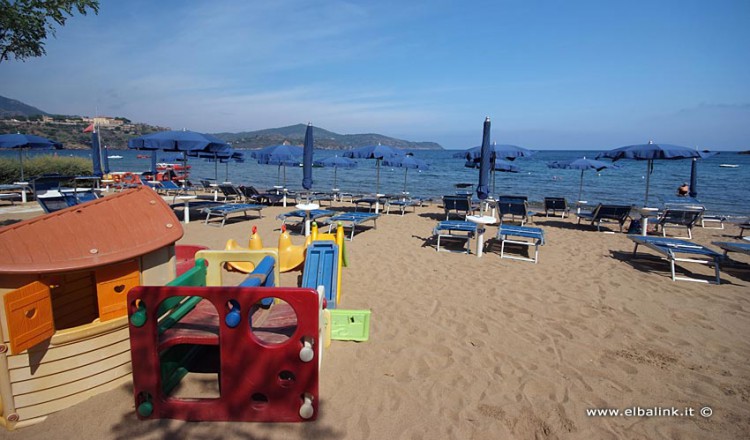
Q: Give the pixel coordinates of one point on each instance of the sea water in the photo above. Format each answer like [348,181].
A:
[722,190]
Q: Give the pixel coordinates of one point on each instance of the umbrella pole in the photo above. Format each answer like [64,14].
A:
[334,177]
[377,180]
[580,187]
[649,167]
[216,168]
[20,157]
[278,175]
[406,170]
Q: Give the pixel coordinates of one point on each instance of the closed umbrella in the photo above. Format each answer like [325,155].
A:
[651,152]
[406,162]
[483,189]
[27,142]
[336,162]
[307,158]
[582,164]
[377,152]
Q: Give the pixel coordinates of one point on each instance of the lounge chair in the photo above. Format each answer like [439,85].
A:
[370,201]
[402,204]
[354,219]
[555,204]
[742,227]
[617,213]
[727,246]
[301,215]
[514,207]
[674,217]
[455,229]
[225,210]
[521,235]
[671,247]
[459,205]
[230,192]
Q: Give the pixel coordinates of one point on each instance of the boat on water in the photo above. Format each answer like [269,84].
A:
[729,165]
[114,156]
[162,166]
[142,156]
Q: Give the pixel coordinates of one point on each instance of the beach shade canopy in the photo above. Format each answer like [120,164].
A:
[582,164]
[27,142]
[335,162]
[651,152]
[497,151]
[177,140]
[307,158]
[406,162]
[377,152]
[224,156]
[499,165]
[280,155]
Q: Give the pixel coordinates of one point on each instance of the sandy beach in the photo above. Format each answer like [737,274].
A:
[463,347]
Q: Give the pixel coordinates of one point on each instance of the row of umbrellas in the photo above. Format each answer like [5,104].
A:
[488,158]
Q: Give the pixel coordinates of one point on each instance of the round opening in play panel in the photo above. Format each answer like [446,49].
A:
[273,321]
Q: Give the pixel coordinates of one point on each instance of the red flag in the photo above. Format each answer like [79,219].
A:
[89,129]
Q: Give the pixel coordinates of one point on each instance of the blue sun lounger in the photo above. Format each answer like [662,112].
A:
[354,219]
[671,247]
[728,246]
[223,211]
[521,235]
[300,214]
[455,229]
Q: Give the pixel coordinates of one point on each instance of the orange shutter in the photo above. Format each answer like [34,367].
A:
[29,314]
[112,286]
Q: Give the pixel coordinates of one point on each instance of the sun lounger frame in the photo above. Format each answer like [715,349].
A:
[455,229]
[670,247]
[354,219]
[521,235]
[230,208]
[727,246]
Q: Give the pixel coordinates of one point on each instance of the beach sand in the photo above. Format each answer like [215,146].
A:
[463,347]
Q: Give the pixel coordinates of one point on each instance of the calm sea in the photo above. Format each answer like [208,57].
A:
[722,190]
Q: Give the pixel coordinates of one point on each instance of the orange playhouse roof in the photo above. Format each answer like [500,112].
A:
[104,231]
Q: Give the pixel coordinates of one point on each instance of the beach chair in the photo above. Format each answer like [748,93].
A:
[230,192]
[353,219]
[685,218]
[514,207]
[743,248]
[520,235]
[301,215]
[455,229]
[670,248]
[370,201]
[459,205]
[742,227]
[555,204]
[402,204]
[602,212]
[225,210]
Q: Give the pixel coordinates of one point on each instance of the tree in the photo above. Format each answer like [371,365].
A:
[24,24]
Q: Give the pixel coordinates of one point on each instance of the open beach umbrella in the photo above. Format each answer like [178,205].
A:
[497,151]
[483,189]
[377,152]
[27,142]
[651,152]
[224,156]
[280,155]
[500,165]
[177,140]
[406,162]
[307,158]
[582,164]
[336,162]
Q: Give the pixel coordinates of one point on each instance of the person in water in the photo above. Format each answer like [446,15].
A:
[683,190]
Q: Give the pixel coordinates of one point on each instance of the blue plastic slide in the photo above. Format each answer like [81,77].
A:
[321,268]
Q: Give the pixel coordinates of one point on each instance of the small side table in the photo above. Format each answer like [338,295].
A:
[186,200]
[645,214]
[481,221]
[307,207]
[24,186]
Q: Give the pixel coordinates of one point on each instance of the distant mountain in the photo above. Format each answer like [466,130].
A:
[324,139]
[11,107]
[69,131]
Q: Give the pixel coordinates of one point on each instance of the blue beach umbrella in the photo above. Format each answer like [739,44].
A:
[693,179]
[280,155]
[335,162]
[651,152]
[406,162]
[500,165]
[27,142]
[377,152]
[177,140]
[307,158]
[497,151]
[483,189]
[582,164]
[96,153]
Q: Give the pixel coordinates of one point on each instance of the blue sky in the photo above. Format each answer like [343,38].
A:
[550,74]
